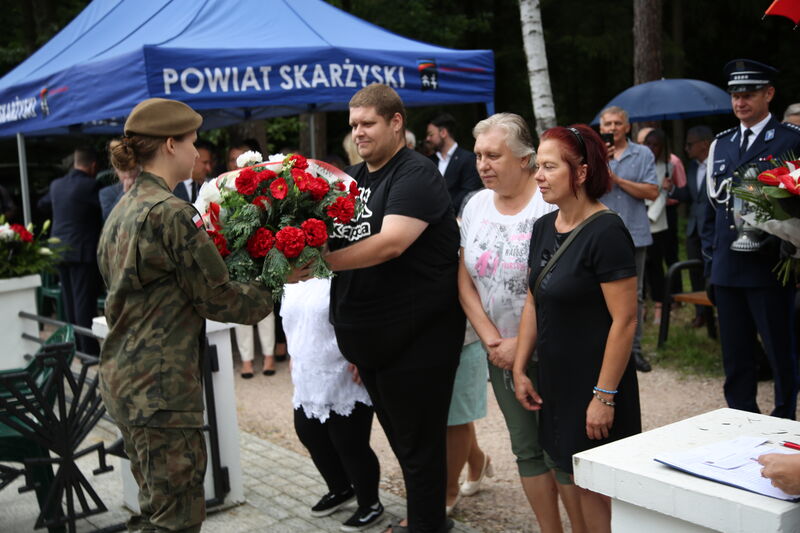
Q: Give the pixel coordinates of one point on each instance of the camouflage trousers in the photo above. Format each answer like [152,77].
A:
[169,465]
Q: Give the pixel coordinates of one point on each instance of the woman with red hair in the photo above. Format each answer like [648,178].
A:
[580,311]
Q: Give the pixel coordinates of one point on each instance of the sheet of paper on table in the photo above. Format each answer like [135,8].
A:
[732,462]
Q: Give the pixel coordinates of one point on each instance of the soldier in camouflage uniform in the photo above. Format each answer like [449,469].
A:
[164,277]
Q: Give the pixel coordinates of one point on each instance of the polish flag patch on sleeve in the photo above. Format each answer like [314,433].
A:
[198,222]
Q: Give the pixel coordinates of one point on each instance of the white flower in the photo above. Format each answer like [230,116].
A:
[208,193]
[45,251]
[248,159]
[276,158]
[6,233]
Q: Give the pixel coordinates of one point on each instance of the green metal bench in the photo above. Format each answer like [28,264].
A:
[46,412]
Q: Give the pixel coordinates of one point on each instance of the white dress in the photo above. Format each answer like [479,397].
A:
[320,374]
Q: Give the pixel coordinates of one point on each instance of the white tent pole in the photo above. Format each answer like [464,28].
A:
[23,178]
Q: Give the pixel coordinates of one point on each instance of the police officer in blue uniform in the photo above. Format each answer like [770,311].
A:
[749,298]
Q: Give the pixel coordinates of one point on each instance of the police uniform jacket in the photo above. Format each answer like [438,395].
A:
[723,265]
[164,277]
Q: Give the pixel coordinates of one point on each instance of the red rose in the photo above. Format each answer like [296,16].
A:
[247,181]
[772,176]
[220,243]
[290,241]
[342,210]
[262,201]
[299,161]
[24,234]
[260,243]
[340,186]
[316,232]
[318,188]
[354,189]
[278,189]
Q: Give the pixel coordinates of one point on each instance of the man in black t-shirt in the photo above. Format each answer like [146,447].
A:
[394,300]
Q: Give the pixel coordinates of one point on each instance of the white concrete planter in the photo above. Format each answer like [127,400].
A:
[17,294]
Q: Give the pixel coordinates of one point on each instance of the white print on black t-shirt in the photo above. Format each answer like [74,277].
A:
[356,231]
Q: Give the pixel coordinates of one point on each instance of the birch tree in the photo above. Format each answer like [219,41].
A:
[544,110]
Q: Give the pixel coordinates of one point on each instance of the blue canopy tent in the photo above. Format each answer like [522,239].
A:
[246,60]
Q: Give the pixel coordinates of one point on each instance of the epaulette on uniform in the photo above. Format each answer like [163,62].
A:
[722,134]
[794,128]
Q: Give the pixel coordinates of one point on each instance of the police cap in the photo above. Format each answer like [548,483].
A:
[160,117]
[748,75]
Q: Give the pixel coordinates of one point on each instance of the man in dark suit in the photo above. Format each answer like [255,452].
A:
[693,195]
[188,189]
[73,200]
[455,164]
[750,300]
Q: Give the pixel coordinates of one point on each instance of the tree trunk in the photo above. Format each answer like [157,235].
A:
[677,70]
[647,64]
[533,38]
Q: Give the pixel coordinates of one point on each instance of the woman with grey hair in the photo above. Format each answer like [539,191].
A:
[492,280]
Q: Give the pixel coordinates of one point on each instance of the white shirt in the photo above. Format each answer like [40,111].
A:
[701,174]
[188,185]
[496,249]
[756,129]
[444,160]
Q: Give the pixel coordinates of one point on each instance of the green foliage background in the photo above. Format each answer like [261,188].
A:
[589,49]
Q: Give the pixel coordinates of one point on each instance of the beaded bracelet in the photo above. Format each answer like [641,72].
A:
[603,400]
[598,389]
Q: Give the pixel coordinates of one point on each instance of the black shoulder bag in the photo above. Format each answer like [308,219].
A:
[561,249]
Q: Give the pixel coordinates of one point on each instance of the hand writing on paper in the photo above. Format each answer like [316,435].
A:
[783,470]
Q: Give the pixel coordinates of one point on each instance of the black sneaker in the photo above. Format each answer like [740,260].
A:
[330,503]
[363,518]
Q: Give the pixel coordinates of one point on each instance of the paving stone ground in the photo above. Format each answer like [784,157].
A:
[280,487]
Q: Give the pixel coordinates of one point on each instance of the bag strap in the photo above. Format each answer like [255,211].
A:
[561,249]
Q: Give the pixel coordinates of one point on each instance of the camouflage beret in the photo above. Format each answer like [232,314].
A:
[161,117]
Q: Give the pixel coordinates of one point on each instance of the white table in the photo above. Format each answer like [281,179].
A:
[654,498]
[218,334]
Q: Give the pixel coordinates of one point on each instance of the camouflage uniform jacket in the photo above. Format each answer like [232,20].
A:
[164,278]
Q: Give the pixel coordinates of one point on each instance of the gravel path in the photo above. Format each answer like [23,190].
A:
[265,409]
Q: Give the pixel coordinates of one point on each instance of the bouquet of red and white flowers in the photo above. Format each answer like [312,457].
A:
[774,198]
[24,252]
[269,217]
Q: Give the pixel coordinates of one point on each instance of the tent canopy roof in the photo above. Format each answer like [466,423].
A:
[251,59]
